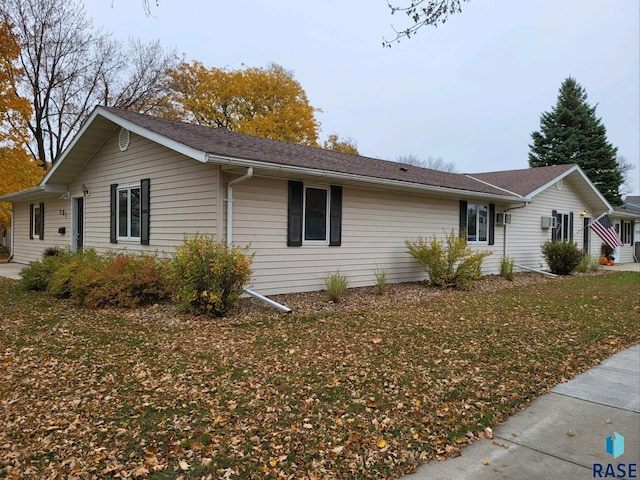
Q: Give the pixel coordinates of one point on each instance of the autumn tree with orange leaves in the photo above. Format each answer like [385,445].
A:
[17,168]
[266,102]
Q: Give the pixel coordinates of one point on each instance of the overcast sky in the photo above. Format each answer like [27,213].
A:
[470,91]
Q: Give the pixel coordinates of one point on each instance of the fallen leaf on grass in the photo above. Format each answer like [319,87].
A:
[485,462]
[376,340]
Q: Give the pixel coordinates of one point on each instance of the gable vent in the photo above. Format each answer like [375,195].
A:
[123,139]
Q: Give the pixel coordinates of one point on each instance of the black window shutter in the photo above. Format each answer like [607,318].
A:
[294,225]
[571,226]
[554,230]
[492,223]
[633,224]
[335,217]
[145,204]
[41,220]
[31,221]
[113,211]
[463,218]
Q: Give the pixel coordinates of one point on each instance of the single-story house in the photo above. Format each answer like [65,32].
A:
[141,183]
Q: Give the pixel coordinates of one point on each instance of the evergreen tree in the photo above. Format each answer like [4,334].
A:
[572,133]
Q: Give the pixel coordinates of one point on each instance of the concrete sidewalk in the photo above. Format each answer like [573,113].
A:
[561,434]
[11,270]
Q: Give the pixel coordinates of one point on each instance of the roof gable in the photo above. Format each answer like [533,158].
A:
[525,182]
[529,182]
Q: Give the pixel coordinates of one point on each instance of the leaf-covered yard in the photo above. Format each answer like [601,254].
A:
[362,393]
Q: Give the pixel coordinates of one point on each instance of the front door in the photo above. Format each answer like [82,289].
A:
[77,242]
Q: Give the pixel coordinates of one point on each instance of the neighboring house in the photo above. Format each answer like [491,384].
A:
[632,203]
[141,183]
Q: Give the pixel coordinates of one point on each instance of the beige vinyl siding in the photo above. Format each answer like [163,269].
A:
[57,213]
[375,225]
[525,234]
[626,254]
[184,193]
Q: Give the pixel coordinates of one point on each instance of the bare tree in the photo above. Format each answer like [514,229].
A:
[625,167]
[421,13]
[431,162]
[140,81]
[70,66]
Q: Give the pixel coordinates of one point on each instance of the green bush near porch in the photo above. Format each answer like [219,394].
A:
[562,257]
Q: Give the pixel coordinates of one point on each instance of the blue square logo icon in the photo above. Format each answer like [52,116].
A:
[615,445]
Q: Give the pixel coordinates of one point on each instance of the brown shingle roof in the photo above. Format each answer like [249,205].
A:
[217,141]
[524,181]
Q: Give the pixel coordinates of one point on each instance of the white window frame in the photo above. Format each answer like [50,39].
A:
[477,207]
[327,214]
[35,221]
[566,235]
[128,189]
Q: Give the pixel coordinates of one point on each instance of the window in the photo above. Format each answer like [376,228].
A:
[129,213]
[563,232]
[477,223]
[315,215]
[36,221]
[626,234]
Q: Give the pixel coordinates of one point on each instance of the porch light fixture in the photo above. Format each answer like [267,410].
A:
[583,213]
[85,191]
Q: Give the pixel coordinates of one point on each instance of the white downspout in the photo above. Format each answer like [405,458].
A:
[504,242]
[230,185]
[229,200]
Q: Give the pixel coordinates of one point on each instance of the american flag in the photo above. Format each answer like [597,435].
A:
[606,231]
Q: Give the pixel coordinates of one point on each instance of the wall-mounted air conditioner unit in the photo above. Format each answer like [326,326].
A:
[548,222]
[503,218]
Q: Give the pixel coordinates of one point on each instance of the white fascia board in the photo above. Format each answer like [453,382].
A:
[40,191]
[351,177]
[66,151]
[132,127]
[575,168]
[552,181]
[154,137]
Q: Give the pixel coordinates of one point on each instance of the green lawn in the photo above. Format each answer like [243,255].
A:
[86,394]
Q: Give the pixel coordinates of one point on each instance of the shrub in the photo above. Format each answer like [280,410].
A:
[381,280]
[92,280]
[562,257]
[77,276]
[129,281]
[38,274]
[606,251]
[588,264]
[52,252]
[506,267]
[452,264]
[209,275]
[337,285]
[4,250]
